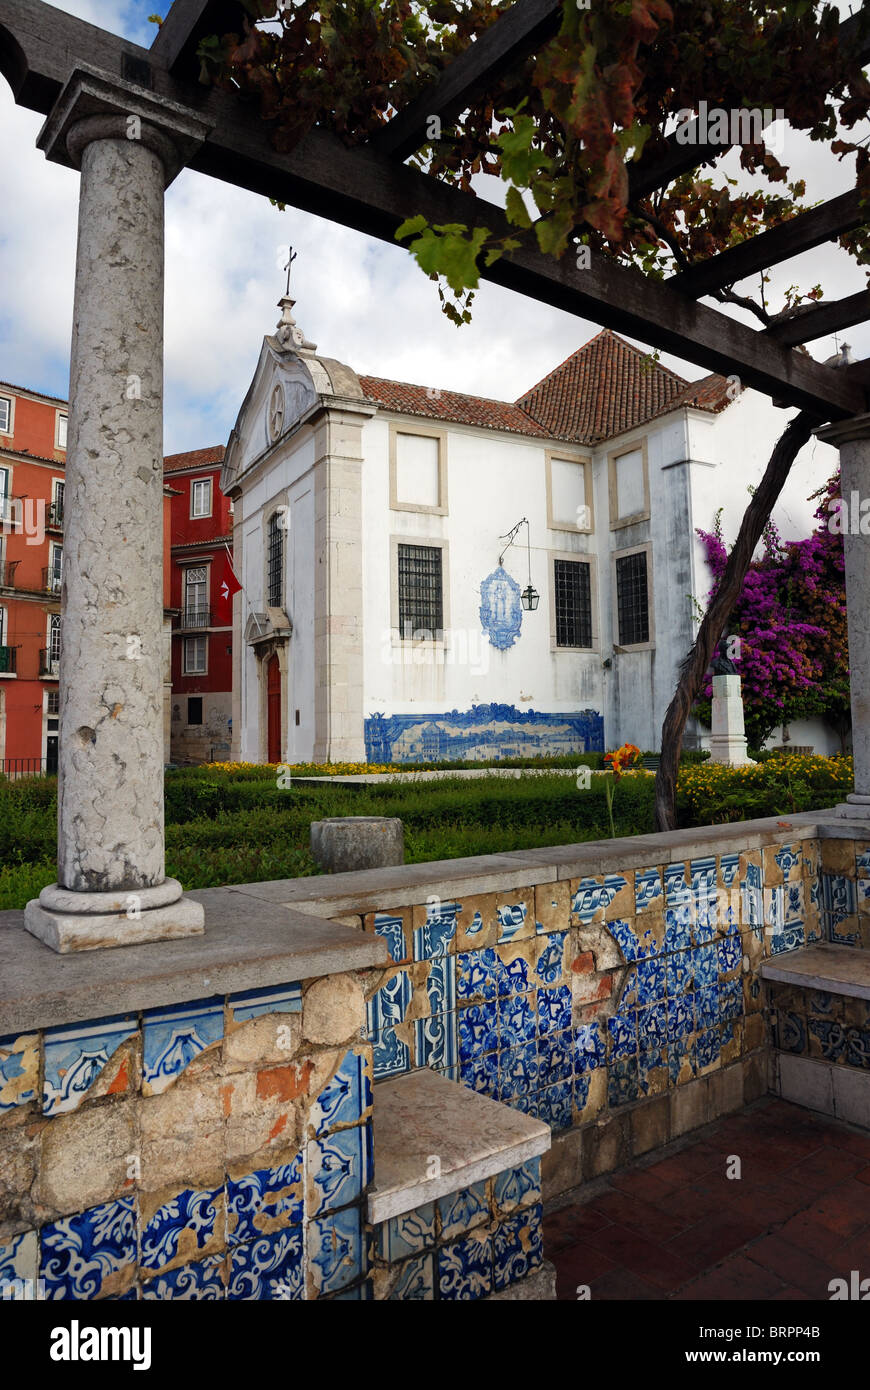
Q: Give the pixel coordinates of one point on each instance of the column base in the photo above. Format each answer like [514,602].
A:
[855,807]
[733,752]
[68,921]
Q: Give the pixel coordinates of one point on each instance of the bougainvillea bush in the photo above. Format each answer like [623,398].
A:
[793,652]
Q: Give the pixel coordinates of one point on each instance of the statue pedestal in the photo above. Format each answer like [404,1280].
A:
[728,738]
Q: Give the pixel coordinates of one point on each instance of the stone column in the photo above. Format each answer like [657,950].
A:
[728,735]
[112,889]
[852,438]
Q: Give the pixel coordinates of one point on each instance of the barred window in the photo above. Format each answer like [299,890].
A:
[632,599]
[573,603]
[421,595]
[275,561]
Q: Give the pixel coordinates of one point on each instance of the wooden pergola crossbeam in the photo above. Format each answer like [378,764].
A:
[818,320]
[372,192]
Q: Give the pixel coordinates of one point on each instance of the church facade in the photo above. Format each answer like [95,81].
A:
[429,575]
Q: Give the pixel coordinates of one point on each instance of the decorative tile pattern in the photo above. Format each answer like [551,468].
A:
[511,919]
[416,1281]
[174,1036]
[392,929]
[390,1055]
[198,1282]
[436,1041]
[461,1211]
[80,1253]
[280,999]
[465,1268]
[271,1268]
[517,1247]
[259,1202]
[18,1259]
[19,1070]
[75,1056]
[335,1250]
[435,936]
[518,1187]
[406,1235]
[346,1098]
[191,1214]
[339,1169]
[647,889]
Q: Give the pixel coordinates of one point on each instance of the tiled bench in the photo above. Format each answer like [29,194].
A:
[821,1029]
[455,1210]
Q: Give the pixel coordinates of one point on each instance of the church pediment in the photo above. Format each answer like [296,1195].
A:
[281,392]
[267,626]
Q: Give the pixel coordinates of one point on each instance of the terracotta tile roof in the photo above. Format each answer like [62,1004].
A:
[32,391]
[607,387]
[195,458]
[603,389]
[450,405]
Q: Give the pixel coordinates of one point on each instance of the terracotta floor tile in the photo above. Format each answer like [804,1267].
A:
[646,1186]
[580,1264]
[864,1176]
[738,1278]
[844,1208]
[794,1266]
[825,1168]
[716,1238]
[658,1264]
[656,1223]
[801,1230]
[576,1223]
[622,1284]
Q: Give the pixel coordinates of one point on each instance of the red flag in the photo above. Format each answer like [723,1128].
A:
[229,585]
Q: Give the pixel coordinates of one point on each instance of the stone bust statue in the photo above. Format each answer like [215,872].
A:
[722,665]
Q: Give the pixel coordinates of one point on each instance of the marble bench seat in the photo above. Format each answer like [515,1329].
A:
[455,1210]
[829,968]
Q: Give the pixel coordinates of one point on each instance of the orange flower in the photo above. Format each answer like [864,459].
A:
[624,757]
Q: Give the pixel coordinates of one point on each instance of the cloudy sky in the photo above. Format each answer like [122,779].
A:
[360,300]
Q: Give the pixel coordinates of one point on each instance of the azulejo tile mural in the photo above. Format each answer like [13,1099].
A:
[484,731]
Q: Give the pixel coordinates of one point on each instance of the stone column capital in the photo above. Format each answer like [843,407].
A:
[96,106]
[845,431]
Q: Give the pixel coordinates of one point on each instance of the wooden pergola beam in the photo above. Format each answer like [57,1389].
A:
[800,233]
[186,23]
[818,320]
[370,193]
[518,32]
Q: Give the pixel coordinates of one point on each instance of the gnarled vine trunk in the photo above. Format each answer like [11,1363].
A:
[694,668]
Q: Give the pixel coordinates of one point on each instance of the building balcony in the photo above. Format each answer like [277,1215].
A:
[54,516]
[193,618]
[8,656]
[49,665]
[7,572]
[52,580]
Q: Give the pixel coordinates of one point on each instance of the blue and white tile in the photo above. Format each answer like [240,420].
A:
[707,1047]
[476,974]
[678,892]
[651,980]
[200,1282]
[76,1055]
[346,1099]
[556,1059]
[260,1202]
[392,929]
[554,1105]
[678,928]
[554,1009]
[588,902]
[703,872]
[789,861]
[681,1017]
[622,1029]
[581,1089]
[80,1253]
[174,1036]
[481,1074]
[729,867]
[269,1269]
[729,954]
[406,1235]
[459,1212]
[19,1070]
[516,1020]
[279,999]
[652,1026]
[194,1214]
[590,1051]
[625,937]
[518,1247]
[465,1269]
[707,1006]
[336,1255]
[862,862]
[441,985]
[18,1260]
[436,935]
[339,1169]
[436,1041]
[518,1070]
[415,1282]
[390,1054]
[389,1004]
[623,1084]
[518,1187]
[511,920]
[680,973]
[478,1030]
[514,976]
[647,890]
[705,966]
[551,960]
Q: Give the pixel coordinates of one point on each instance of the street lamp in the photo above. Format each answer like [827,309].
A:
[529,598]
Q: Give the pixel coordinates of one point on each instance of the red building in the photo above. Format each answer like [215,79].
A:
[200,542]
[32,466]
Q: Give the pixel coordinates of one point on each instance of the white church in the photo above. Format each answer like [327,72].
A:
[432,575]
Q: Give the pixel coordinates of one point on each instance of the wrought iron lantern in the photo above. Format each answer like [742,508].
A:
[529,598]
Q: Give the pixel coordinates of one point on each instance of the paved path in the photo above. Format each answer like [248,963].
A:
[673,1226]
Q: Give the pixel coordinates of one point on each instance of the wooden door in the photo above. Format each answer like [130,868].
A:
[273,699]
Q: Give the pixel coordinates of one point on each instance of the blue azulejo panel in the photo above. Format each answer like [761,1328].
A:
[481,1073]
[511,920]
[415,1281]
[461,1211]
[435,936]
[554,1009]
[406,1235]
[554,1105]
[518,1187]
[259,1202]
[390,1054]
[484,731]
[441,985]
[76,1055]
[476,975]
[518,1247]
[589,1047]
[19,1070]
[81,1253]
[271,1268]
[465,1268]
[389,1004]
[477,1030]
[200,1282]
[346,1098]
[191,1213]
[647,890]
[550,962]
[174,1036]
[279,999]
[501,609]
[392,929]
[336,1255]
[556,1061]
[339,1169]
[436,1042]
